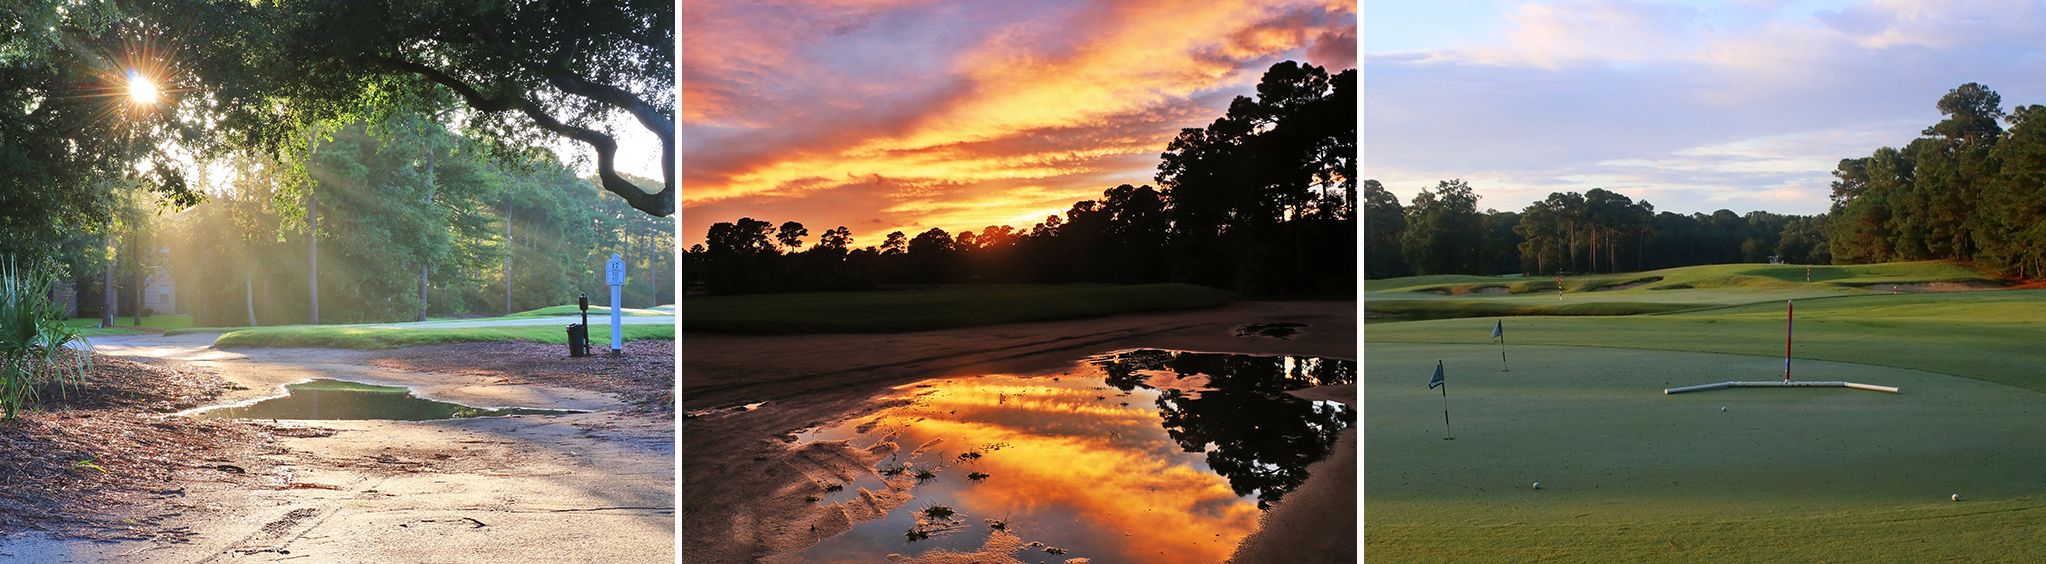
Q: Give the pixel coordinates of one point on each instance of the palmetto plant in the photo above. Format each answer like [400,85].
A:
[35,345]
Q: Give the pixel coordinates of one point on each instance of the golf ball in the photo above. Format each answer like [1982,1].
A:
[1957,497]
[1537,485]
[1722,408]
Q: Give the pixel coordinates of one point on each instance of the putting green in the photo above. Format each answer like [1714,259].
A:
[1630,474]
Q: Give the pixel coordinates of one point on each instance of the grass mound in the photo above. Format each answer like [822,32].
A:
[399,337]
[941,307]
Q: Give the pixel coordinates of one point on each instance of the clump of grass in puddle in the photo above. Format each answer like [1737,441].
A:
[998,524]
[970,455]
[893,469]
[925,475]
[828,488]
[977,476]
[937,512]
[934,519]
[812,498]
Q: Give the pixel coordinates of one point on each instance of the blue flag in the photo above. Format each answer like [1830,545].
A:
[1499,330]
[1437,380]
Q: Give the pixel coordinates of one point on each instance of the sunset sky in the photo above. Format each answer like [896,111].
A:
[1692,105]
[884,115]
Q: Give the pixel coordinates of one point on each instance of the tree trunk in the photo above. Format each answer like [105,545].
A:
[312,236]
[507,257]
[1592,247]
[107,291]
[141,284]
[653,274]
[423,266]
[1571,228]
[249,295]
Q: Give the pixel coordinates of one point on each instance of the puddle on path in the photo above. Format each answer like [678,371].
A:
[1279,330]
[1145,455]
[337,399]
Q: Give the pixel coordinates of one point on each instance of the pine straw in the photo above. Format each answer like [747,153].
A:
[644,376]
[116,420]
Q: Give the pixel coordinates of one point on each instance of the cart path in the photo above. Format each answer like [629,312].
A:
[513,489]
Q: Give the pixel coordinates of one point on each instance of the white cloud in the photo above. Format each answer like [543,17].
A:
[1743,106]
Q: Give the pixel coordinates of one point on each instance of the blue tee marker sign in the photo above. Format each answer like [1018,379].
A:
[614,276]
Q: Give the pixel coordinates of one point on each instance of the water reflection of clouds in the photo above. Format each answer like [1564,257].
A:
[1152,469]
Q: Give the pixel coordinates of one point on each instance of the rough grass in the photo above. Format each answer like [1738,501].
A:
[399,337]
[936,308]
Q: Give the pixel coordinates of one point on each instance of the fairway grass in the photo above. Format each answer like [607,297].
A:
[1659,291]
[398,337]
[1990,336]
[1630,474]
[940,307]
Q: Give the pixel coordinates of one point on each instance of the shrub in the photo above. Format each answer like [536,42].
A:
[34,342]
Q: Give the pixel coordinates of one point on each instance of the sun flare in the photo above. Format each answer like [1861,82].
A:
[141,90]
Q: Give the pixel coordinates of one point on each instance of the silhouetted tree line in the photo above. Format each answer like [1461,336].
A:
[1967,189]
[1442,232]
[1259,202]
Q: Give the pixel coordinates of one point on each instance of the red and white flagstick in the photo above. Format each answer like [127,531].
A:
[1789,316]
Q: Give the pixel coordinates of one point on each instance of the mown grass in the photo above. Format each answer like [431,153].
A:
[940,307]
[344,337]
[1437,297]
[571,309]
[125,325]
[1629,474]
[1702,277]
[1448,309]
[1989,336]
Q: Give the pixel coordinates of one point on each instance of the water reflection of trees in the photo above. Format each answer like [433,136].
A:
[1254,434]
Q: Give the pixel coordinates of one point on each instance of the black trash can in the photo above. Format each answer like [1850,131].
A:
[578,339]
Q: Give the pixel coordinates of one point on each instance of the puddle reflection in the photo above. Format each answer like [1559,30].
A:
[1145,455]
[337,399]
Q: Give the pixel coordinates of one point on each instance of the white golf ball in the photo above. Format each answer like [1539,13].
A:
[1537,485]
[1722,408]
[1957,497]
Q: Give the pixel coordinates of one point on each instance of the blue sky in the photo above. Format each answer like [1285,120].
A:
[1693,106]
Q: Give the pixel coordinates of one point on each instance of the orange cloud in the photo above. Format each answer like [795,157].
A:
[968,115]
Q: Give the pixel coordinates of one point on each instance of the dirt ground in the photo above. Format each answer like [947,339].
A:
[511,489]
[743,486]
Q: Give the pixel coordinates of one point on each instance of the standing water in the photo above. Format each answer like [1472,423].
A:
[1144,455]
[337,399]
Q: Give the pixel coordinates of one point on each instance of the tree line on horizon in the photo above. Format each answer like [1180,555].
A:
[1966,190]
[1259,202]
